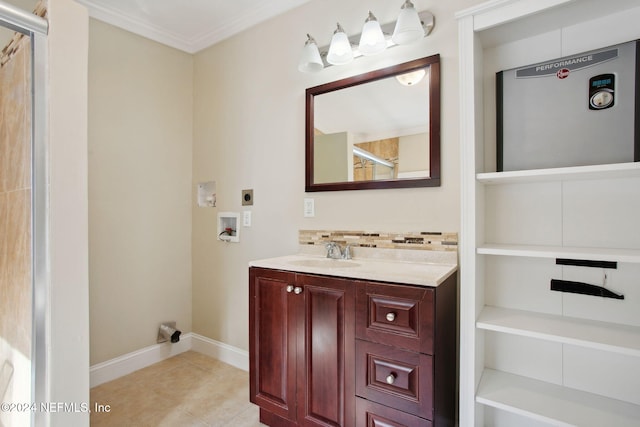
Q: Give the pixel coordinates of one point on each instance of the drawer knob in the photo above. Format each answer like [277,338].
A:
[297,290]
[391,317]
[391,378]
[290,288]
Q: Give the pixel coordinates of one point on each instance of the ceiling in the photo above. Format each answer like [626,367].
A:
[375,110]
[188,25]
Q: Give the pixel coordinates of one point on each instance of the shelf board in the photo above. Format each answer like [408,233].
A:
[553,404]
[598,254]
[617,170]
[622,339]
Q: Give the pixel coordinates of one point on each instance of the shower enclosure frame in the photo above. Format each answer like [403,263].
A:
[36,28]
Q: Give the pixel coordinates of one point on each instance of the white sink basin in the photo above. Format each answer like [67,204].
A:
[324,263]
[382,270]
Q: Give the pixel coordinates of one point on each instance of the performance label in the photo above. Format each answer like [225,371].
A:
[568,64]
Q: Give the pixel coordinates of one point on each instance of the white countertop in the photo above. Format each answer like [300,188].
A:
[410,267]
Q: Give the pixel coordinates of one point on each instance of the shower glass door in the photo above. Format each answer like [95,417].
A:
[15,225]
[19,290]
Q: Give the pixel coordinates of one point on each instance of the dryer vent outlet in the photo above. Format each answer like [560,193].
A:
[168,332]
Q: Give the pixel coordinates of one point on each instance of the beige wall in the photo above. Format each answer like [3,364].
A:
[413,153]
[161,121]
[249,133]
[332,157]
[140,139]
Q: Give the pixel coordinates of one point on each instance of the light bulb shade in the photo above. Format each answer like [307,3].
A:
[340,48]
[372,39]
[408,27]
[310,60]
[411,78]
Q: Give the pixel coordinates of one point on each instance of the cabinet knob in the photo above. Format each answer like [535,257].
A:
[391,317]
[297,290]
[391,378]
[290,288]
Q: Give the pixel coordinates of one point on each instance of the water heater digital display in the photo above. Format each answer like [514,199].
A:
[602,91]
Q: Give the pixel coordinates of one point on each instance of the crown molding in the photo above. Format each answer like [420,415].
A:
[121,20]
[185,43]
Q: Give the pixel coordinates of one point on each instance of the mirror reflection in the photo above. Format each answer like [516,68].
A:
[375,130]
[378,139]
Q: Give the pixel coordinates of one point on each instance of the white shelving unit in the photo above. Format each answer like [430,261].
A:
[530,356]
[620,170]
[553,404]
[533,251]
[585,333]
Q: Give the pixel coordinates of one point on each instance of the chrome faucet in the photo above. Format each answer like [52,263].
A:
[346,254]
[334,251]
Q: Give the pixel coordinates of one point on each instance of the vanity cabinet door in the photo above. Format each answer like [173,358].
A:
[273,315]
[326,356]
[301,348]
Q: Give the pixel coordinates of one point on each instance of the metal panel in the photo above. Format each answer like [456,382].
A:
[549,116]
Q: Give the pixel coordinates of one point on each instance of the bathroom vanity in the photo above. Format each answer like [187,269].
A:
[360,342]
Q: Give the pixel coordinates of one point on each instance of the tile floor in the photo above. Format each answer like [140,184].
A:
[190,389]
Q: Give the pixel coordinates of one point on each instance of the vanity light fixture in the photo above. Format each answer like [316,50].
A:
[372,39]
[340,49]
[310,61]
[410,27]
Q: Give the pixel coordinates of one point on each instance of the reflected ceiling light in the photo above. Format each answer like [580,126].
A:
[372,40]
[310,61]
[408,27]
[411,78]
[340,51]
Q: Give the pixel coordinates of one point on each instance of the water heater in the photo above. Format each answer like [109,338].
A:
[573,111]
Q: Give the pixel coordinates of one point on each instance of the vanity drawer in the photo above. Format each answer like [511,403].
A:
[371,414]
[401,316]
[397,378]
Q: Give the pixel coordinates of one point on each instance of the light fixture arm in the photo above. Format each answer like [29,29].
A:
[407,3]
[370,17]
[310,40]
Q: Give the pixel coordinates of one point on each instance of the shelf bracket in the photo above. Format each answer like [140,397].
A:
[587,263]
[583,288]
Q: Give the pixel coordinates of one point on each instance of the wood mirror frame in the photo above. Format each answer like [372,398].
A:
[433,180]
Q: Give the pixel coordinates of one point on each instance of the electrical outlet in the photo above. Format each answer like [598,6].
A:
[247,197]
[246,219]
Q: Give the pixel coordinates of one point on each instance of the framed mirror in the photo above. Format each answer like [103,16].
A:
[380,129]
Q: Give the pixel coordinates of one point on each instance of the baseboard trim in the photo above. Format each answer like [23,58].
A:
[221,351]
[110,370]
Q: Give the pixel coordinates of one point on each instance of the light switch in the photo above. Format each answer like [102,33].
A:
[246,219]
[309,208]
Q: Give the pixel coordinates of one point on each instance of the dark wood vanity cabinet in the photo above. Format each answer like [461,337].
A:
[406,357]
[301,350]
[328,351]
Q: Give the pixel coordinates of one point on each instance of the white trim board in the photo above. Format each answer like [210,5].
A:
[120,366]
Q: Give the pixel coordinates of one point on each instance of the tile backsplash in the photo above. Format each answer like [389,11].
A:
[424,240]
